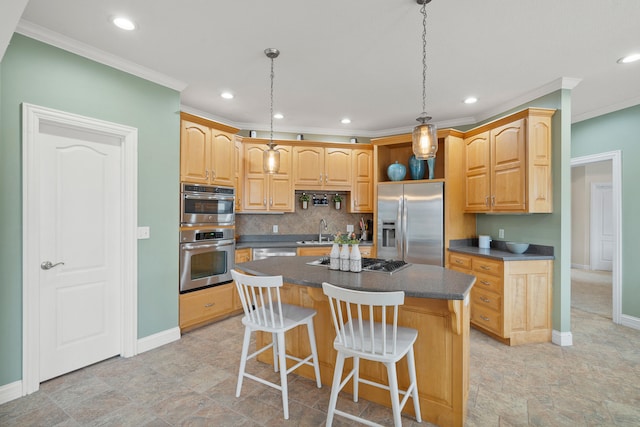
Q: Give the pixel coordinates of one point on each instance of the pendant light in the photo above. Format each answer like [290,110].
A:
[424,140]
[271,157]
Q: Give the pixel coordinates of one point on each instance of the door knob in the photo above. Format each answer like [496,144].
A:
[47,265]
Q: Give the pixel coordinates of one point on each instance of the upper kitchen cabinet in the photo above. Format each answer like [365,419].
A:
[264,192]
[361,199]
[508,164]
[239,171]
[321,168]
[207,151]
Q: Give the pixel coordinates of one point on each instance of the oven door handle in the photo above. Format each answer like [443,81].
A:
[191,246]
[203,197]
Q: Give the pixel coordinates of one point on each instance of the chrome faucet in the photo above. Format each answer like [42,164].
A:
[322,221]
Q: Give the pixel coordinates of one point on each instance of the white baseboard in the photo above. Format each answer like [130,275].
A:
[561,338]
[630,321]
[158,340]
[10,391]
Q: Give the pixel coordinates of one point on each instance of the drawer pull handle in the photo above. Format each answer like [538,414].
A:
[485,318]
[211,304]
[458,261]
[484,282]
[485,267]
[483,299]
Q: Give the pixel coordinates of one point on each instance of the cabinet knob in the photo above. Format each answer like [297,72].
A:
[485,318]
[484,282]
[483,299]
[320,179]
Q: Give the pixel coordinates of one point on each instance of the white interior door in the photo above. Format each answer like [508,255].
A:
[602,237]
[80,228]
[79,192]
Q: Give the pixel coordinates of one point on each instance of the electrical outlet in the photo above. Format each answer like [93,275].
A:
[349,228]
[144,232]
[275,228]
[501,233]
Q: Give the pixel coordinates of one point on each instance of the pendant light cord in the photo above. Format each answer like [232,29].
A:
[423,10]
[271,107]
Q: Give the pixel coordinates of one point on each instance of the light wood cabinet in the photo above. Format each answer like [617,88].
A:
[198,308]
[321,168]
[361,199]
[365,251]
[239,172]
[207,151]
[508,164]
[267,192]
[511,300]
[243,255]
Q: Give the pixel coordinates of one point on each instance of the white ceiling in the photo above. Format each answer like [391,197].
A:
[358,59]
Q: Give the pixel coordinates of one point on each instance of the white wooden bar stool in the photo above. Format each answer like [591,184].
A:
[263,311]
[360,337]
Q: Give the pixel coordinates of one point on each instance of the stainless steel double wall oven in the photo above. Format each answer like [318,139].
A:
[207,236]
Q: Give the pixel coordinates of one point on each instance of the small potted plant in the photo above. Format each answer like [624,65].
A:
[337,200]
[304,198]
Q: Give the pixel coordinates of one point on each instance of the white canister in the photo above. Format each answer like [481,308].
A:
[484,242]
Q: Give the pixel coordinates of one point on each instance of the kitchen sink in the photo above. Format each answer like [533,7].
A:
[314,242]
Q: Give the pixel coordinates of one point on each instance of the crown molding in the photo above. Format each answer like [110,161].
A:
[52,38]
[631,102]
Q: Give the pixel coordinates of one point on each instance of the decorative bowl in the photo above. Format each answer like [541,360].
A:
[396,171]
[517,248]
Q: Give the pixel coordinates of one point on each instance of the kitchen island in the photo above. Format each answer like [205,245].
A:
[436,304]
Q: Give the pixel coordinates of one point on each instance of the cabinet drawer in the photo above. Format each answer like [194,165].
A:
[487,319]
[486,299]
[487,282]
[459,261]
[488,266]
[199,306]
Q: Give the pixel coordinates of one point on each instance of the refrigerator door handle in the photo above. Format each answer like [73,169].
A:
[400,229]
[403,225]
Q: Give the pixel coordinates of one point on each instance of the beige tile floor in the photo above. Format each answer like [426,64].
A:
[595,382]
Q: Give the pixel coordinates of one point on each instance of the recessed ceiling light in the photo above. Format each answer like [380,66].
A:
[345,121]
[227,95]
[629,58]
[278,116]
[124,23]
[471,100]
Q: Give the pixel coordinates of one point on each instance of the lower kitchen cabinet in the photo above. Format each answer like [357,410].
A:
[511,300]
[198,308]
[243,255]
[365,251]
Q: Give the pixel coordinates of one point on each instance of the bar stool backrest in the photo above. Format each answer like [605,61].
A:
[260,298]
[365,322]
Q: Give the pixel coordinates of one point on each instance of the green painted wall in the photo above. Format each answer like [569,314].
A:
[619,131]
[547,229]
[40,74]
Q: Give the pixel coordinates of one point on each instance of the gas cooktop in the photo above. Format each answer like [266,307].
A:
[378,265]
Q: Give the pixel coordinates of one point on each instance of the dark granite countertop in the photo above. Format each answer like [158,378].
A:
[284,241]
[417,280]
[499,251]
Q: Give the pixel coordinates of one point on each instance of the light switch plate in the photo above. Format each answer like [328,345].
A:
[275,228]
[501,233]
[144,232]
[349,228]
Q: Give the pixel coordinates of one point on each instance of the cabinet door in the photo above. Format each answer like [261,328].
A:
[222,158]
[308,168]
[478,173]
[194,152]
[508,167]
[337,167]
[362,191]
[238,183]
[255,181]
[281,193]
[243,255]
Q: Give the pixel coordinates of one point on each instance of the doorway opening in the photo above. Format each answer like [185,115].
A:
[596,234]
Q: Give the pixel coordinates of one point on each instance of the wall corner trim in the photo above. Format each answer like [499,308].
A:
[562,338]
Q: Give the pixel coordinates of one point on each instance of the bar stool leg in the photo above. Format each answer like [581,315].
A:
[335,388]
[412,378]
[243,358]
[393,390]
[314,351]
[283,374]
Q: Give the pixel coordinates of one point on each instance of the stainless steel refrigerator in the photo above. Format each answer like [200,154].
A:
[411,222]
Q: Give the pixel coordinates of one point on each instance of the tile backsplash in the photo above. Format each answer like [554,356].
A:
[302,221]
